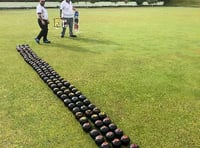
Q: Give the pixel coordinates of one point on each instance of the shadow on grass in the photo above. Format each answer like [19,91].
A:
[78,48]
[72,48]
[97,41]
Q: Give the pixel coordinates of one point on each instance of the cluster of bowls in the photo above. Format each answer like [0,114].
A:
[105,133]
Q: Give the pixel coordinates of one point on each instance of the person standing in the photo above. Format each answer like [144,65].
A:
[67,14]
[76,20]
[43,22]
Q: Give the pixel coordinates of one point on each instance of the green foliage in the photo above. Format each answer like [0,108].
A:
[139,2]
[167,1]
[184,2]
[152,1]
[139,65]
[114,1]
[93,1]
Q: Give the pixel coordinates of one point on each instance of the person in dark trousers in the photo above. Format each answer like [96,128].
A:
[67,15]
[43,22]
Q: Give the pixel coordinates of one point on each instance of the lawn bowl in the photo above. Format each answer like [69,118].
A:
[71,106]
[125,140]
[59,93]
[67,101]
[98,123]
[63,88]
[94,117]
[63,97]
[104,129]
[112,127]
[118,132]
[55,90]
[53,86]
[88,113]
[78,115]
[91,106]
[78,103]
[49,80]
[59,84]
[67,84]
[67,91]
[96,110]
[71,95]
[84,108]
[82,97]
[83,120]
[105,144]
[51,77]
[102,115]
[106,121]
[75,99]
[60,78]
[86,102]
[116,143]
[78,93]
[94,133]
[87,127]
[99,140]
[71,87]
[75,109]
[74,90]
[110,136]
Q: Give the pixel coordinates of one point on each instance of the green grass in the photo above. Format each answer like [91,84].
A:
[139,65]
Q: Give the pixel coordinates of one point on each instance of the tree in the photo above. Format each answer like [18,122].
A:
[166,2]
[115,1]
[152,1]
[139,2]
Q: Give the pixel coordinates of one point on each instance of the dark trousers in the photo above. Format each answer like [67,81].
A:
[70,23]
[44,30]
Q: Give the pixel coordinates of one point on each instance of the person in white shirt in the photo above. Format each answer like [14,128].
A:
[67,15]
[43,22]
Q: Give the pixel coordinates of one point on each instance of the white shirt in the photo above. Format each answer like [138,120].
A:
[43,11]
[67,9]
